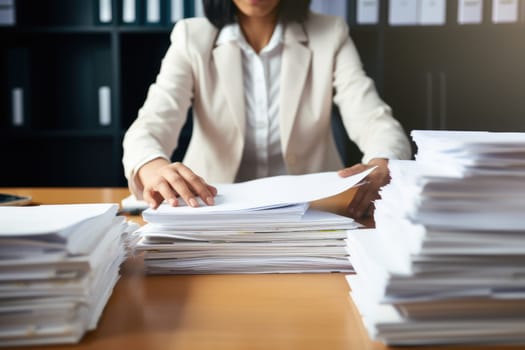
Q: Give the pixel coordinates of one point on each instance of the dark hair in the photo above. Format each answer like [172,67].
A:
[223,12]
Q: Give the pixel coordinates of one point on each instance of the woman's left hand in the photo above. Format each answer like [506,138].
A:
[361,205]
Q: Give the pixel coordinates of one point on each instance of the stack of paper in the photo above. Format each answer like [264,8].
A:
[260,226]
[447,259]
[58,267]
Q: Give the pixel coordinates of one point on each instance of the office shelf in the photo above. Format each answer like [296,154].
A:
[59,57]
[19,134]
[36,30]
[144,30]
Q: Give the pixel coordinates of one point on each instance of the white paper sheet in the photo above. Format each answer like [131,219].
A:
[270,192]
[470,11]
[367,12]
[402,12]
[46,219]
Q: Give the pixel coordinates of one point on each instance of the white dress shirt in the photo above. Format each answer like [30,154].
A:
[262,154]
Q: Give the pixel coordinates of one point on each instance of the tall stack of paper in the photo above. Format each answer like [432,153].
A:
[447,259]
[259,226]
[58,267]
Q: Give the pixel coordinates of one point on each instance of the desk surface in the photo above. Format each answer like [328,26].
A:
[293,311]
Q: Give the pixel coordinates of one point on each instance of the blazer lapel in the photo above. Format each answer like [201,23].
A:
[227,59]
[296,61]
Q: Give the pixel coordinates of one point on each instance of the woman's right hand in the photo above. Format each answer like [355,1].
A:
[164,180]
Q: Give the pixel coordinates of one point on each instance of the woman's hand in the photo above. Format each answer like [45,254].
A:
[361,205]
[163,180]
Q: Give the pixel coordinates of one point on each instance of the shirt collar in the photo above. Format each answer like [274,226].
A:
[233,32]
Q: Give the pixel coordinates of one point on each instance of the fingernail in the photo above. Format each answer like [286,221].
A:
[152,205]
[193,202]
[210,201]
[172,202]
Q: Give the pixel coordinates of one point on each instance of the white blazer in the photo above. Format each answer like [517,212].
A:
[320,65]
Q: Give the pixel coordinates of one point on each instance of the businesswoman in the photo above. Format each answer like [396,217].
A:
[261,76]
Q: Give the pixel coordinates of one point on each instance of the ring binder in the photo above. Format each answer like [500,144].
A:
[153,12]
[402,12]
[176,10]
[17,102]
[505,11]
[470,11]
[198,9]
[7,13]
[367,12]
[129,11]
[105,11]
[104,105]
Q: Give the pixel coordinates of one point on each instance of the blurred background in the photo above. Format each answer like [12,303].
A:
[75,72]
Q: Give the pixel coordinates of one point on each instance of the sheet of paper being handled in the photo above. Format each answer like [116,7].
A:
[263,193]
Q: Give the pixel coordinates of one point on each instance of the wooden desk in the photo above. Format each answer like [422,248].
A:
[307,311]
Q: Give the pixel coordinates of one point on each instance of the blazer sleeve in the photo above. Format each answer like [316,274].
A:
[367,119]
[155,132]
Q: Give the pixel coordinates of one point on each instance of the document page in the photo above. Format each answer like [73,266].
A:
[270,192]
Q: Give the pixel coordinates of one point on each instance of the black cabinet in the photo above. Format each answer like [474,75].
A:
[485,80]
[456,77]
[71,85]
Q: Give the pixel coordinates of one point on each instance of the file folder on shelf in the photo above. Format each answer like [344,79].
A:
[432,12]
[7,13]
[175,10]
[131,11]
[17,64]
[104,105]
[505,11]
[198,9]
[402,12]
[153,12]
[104,13]
[17,106]
[470,11]
[332,7]
[367,12]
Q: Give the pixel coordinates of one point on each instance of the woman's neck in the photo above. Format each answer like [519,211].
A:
[258,30]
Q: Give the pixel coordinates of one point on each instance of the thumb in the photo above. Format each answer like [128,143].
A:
[355,169]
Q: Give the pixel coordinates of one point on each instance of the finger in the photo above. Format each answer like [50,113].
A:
[213,190]
[362,199]
[158,198]
[356,169]
[178,183]
[370,210]
[197,184]
[167,192]
[368,200]
[152,197]
[362,208]
[356,201]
